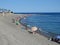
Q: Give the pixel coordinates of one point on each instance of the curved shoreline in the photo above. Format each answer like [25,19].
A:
[23,23]
[10,34]
[40,32]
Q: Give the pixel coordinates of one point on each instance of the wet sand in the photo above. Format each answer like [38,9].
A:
[10,34]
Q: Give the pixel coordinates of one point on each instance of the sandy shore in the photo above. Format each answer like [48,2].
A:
[10,34]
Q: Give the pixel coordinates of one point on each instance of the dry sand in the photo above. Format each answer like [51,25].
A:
[10,34]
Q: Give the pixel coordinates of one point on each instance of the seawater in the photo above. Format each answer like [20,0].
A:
[47,22]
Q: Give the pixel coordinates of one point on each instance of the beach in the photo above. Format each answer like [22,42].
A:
[10,34]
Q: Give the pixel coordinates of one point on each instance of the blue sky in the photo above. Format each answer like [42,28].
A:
[31,5]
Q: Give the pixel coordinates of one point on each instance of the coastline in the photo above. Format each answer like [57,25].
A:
[48,35]
[39,31]
[12,35]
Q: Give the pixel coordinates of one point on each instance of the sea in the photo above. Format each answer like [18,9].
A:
[48,22]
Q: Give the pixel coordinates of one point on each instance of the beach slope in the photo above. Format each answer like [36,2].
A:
[10,34]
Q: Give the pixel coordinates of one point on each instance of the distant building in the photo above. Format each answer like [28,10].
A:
[5,11]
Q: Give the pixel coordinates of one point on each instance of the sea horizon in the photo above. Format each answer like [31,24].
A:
[36,12]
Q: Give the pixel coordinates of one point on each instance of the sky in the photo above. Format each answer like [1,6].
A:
[31,5]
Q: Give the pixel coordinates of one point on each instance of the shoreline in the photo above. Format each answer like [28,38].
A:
[12,35]
[40,32]
[48,35]
[25,25]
